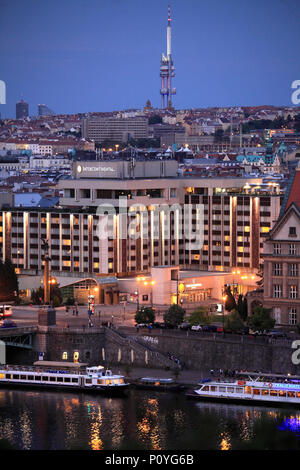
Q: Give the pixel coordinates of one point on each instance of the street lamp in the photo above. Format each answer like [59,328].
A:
[138,279]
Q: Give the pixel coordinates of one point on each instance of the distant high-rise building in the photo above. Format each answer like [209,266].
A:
[22,109]
[43,110]
[111,128]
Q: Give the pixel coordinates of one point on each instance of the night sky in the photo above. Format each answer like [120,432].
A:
[104,55]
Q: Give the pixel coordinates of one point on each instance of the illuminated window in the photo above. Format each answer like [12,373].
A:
[241,249]
[265,229]
[247,229]
[76,356]
[64,355]
[293,292]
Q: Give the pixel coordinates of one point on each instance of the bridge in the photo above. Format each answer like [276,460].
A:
[20,337]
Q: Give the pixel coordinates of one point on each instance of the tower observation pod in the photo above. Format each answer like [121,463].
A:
[167,70]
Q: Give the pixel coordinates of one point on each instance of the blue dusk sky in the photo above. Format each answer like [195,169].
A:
[104,55]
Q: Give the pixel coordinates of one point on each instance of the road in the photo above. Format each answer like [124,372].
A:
[28,315]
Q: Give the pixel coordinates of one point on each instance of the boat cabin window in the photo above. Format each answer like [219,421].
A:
[100,381]
[213,388]
[30,377]
[74,380]
[298,394]
[282,393]
[52,379]
[16,377]
[2,376]
[222,389]
[247,389]
[239,390]
[121,381]
[108,381]
[273,393]
[23,377]
[291,394]
[37,377]
[230,389]
[265,392]
[88,381]
[205,388]
[45,378]
[256,391]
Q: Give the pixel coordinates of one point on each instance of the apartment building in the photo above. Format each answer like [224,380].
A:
[282,260]
[112,128]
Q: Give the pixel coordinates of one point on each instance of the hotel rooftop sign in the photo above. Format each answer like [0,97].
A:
[124,169]
[97,170]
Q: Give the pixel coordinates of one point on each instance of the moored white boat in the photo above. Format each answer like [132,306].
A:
[93,379]
[252,390]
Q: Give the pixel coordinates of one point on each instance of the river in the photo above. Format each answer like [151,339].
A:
[41,420]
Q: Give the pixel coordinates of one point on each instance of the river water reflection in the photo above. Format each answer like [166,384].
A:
[31,420]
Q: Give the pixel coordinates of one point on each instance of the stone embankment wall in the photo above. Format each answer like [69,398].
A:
[202,351]
[195,351]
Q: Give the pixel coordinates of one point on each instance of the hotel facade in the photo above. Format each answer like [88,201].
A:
[142,207]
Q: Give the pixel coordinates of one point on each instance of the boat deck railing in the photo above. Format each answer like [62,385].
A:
[41,370]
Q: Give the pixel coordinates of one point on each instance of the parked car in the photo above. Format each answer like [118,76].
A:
[8,324]
[211,328]
[158,324]
[184,326]
[196,328]
[277,334]
[257,333]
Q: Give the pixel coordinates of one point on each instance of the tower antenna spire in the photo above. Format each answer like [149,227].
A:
[167,70]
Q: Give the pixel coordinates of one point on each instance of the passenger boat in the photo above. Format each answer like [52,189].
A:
[92,379]
[252,388]
[158,384]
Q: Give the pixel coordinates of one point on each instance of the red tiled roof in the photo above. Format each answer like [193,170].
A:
[294,195]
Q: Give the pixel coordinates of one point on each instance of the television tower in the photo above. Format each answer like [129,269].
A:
[167,70]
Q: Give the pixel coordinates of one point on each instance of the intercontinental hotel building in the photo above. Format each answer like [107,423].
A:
[236,215]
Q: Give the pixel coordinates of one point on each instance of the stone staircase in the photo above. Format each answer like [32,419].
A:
[116,340]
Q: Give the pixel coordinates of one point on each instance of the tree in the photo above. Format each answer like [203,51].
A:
[230,303]
[174,315]
[233,321]
[242,307]
[145,315]
[199,316]
[155,119]
[37,296]
[261,319]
